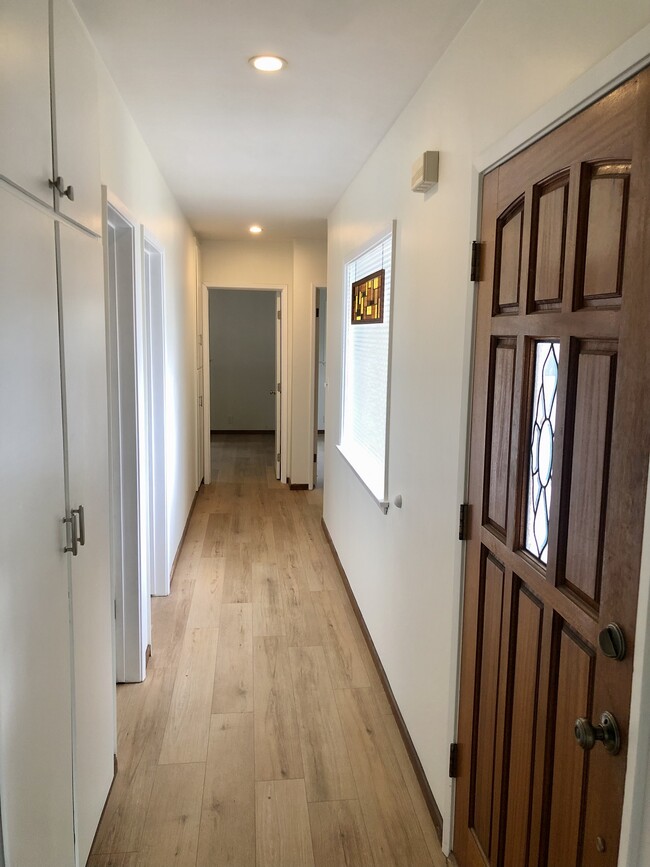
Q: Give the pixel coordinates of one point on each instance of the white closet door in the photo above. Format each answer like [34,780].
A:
[35,698]
[25,130]
[84,343]
[76,116]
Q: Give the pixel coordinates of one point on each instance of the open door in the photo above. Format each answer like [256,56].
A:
[558,473]
[278,379]
[128,469]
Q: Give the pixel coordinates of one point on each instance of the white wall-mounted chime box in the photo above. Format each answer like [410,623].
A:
[425,172]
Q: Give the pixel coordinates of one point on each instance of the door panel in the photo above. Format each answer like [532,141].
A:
[35,711]
[84,339]
[278,384]
[558,464]
[26,128]
[76,116]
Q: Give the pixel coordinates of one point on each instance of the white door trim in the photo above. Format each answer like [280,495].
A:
[207,453]
[130,586]
[285,413]
[154,340]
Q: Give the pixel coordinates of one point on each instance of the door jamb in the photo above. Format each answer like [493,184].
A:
[313,391]
[135,634]
[205,433]
[158,586]
[285,411]
[621,64]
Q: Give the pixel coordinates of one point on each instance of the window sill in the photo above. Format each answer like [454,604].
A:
[382,503]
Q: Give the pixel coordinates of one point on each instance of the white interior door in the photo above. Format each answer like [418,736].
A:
[131,587]
[35,688]
[154,304]
[278,383]
[207,447]
[84,336]
[315,383]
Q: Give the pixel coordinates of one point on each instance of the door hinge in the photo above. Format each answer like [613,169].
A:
[463,520]
[317,312]
[277,457]
[453,761]
[279,388]
[315,458]
[115,609]
[475,270]
[279,314]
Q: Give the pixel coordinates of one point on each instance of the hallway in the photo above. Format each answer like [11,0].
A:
[262,734]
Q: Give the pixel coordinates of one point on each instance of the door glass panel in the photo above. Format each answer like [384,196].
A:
[542,436]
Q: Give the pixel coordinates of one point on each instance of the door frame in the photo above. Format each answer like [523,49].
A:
[205,349]
[285,405]
[132,622]
[620,65]
[155,367]
[313,392]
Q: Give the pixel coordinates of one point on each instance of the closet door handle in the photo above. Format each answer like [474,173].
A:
[72,547]
[62,190]
[81,522]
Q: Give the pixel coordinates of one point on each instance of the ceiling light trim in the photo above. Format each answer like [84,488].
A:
[267,62]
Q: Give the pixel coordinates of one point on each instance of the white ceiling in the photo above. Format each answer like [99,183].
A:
[237,146]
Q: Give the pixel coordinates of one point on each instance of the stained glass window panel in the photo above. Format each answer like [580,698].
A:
[368,299]
[542,440]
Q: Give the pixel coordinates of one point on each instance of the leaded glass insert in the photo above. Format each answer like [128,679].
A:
[542,437]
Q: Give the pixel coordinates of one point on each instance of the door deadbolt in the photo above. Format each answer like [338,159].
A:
[612,641]
[607,732]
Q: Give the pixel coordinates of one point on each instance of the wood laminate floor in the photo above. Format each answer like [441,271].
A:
[262,736]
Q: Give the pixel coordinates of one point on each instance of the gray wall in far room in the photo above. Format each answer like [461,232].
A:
[242,359]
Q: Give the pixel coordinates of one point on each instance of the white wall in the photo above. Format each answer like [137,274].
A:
[130,174]
[242,360]
[298,265]
[508,61]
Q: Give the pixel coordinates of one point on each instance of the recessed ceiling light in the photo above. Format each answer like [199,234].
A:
[255,230]
[267,63]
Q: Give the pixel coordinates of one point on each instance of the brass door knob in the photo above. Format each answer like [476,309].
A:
[608,733]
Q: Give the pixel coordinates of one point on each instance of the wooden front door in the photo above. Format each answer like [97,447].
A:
[559,460]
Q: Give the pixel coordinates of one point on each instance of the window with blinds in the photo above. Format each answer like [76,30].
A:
[364,425]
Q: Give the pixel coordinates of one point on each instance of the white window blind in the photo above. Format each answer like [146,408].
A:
[365,383]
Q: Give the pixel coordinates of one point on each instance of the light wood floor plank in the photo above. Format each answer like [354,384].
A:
[299,710]
[414,790]
[188,724]
[217,535]
[277,743]
[393,829]
[233,675]
[205,609]
[304,623]
[227,835]
[282,820]
[268,611]
[328,773]
[343,658]
[144,708]
[238,579]
[368,662]
[108,860]
[338,835]
[171,831]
